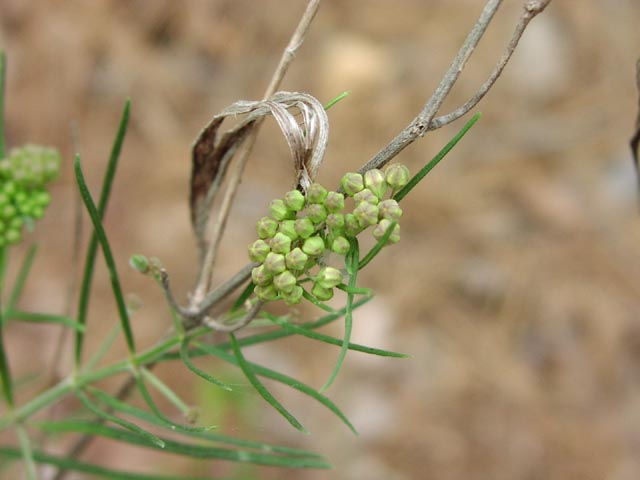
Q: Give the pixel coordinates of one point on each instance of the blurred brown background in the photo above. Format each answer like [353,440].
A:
[515,286]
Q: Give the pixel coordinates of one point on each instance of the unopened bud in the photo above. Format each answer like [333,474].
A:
[374,180]
[294,200]
[382,228]
[280,243]
[390,210]
[304,227]
[278,210]
[284,282]
[294,296]
[316,213]
[258,251]
[340,245]
[352,183]
[397,176]
[266,227]
[334,202]
[274,263]
[296,259]
[351,226]
[321,293]
[335,222]
[261,276]
[366,195]
[266,293]
[329,277]
[288,228]
[366,214]
[313,246]
[140,263]
[316,193]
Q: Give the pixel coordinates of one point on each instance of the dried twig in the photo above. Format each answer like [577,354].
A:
[425,121]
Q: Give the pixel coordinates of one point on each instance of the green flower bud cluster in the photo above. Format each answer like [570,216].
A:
[24,174]
[300,229]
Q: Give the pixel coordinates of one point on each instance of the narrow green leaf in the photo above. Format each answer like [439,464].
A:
[66,463]
[3,81]
[104,347]
[27,453]
[246,293]
[331,340]
[87,277]
[377,247]
[166,391]
[352,261]
[150,418]
[21,279]
[282,378]
[88,404]
[182,448]
[316,302]
[247,369]
[156,411]
[5,370]
[35,317]
[108,256]
[342,96]
[184,355]
[404,191]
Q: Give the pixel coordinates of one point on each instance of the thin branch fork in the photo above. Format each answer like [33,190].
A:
[425,120]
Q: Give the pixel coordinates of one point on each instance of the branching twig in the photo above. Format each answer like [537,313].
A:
[425,120]
[204,280]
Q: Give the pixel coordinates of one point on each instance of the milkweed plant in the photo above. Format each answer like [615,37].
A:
[307,246]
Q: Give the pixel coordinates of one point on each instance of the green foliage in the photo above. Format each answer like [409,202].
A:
[291,251]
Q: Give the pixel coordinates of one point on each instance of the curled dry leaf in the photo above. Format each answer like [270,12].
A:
[306,134]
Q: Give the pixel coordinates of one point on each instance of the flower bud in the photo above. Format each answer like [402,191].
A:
[296,259]
[316,193]
[258,251]
[140,263]
[304,227]
[8,211]
[321,293]
[266,293]
[366,214]
[284,282]
[294,200]
[313,246]
[280,243]
[365,195]
[288,228]
[374,180]
[397,176]
[329,277]
[351,226]
[335,222]
[12,236]
[334,202]
[382,228]
[340,245]
[266,227]
[261,276]
[390,210]
[294,296]
[352,183]
[274,263]
[316,213]
[278,210]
